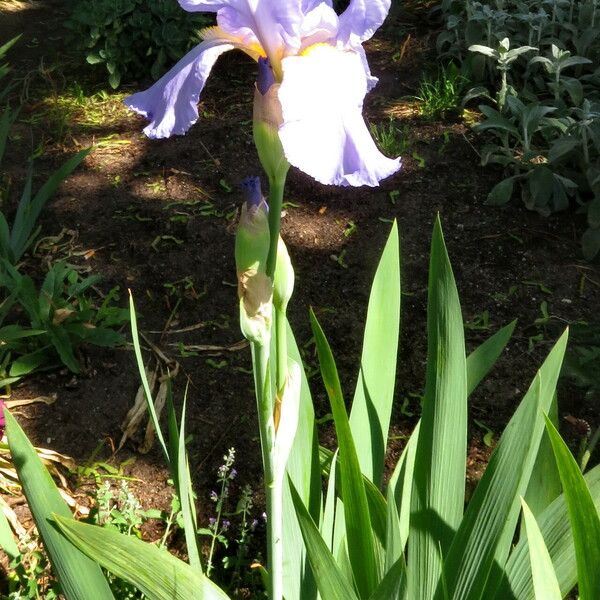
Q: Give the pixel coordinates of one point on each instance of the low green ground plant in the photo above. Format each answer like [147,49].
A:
[440,95]
[131,37]
[536,66]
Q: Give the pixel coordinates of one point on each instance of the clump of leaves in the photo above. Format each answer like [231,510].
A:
[130,37]
[536,65]
[41,328]
[440,95]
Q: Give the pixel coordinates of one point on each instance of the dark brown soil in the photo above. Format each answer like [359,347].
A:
[121,200]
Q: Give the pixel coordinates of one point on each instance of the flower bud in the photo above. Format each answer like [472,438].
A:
[252,239]
[283,284]
[268,118]
[255,289]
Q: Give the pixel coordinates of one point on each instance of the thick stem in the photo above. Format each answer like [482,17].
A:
[276,187]
[281,346]
[273,487]
[274,493]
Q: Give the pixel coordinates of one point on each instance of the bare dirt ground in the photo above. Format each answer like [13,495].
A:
[160,217]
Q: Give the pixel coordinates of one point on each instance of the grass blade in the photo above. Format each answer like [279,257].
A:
[361,547]
[374,395]
[155,572]
[148,393]
[440,460]
[545,583]
[583,516]
[29,211]
[330,580]
[80,577]
[186,496]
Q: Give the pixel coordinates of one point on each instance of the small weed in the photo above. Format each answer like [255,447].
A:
[350,229]
[340,259]
[392,140]
[488,434]
[161,239]
[420,160]
[480,322]
[441,96]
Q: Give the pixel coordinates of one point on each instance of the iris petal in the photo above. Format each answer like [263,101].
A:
[171,103]
[204,5]
[361,20]
[324,133]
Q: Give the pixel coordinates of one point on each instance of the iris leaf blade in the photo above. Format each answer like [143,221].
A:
[583,516]
[155,572]
[361,546]
[373,397]
[330,580]
[80,577]
[545,584]
[440,458]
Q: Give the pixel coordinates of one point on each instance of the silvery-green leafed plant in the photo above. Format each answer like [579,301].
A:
[504,57]
[555,65]
[564,75]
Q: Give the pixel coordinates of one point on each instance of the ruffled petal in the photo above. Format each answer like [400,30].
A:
[171,104]
[276,24]
[361,20]
[319,24]
[323,131]
[308,5]
[204,5]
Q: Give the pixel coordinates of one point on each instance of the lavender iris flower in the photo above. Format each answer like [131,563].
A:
[317,58]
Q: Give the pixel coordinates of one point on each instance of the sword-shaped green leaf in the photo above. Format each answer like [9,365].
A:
[374,394]
[330,580]
[545,584]
[361,546]
[556,529]
[583,515]
[440,460]
[153,571]
[475,562]
[80,577]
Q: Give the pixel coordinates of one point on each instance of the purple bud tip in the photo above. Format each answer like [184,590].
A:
[266,77]
[252,192]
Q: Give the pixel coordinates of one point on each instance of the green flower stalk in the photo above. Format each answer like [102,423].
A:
[254,242]
[267,120]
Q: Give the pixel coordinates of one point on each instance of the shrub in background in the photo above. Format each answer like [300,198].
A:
[536,64]
[134,37]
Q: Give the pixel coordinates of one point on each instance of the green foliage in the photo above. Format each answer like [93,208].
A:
[393,140]
[16,240]
[441,95]
[80,577]
[452,552]
[538,64]
[40,326]
[131,37]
